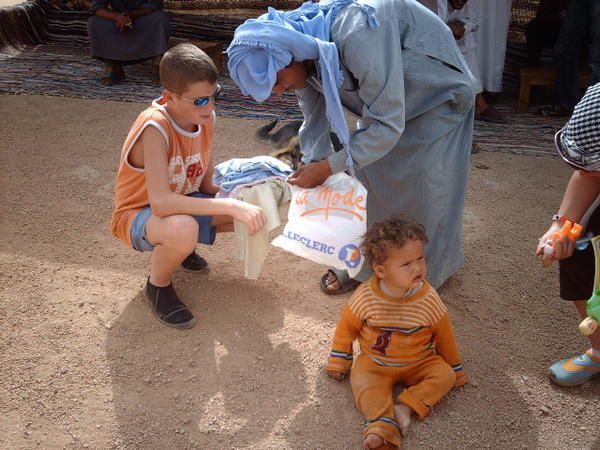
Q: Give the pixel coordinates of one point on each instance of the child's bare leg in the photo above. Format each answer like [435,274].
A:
[174,237]
[402,413]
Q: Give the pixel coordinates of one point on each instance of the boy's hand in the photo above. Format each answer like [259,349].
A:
[337,376]
[563,249]
[311,175]
[458,29]
[249,214]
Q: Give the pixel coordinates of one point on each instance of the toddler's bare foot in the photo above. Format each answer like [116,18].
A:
[372,441]
[402,413]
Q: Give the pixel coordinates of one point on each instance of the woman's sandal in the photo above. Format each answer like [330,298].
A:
[347,284]
[553,111]
[113,77]
[491,115]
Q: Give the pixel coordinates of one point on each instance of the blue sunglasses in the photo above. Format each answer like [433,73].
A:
[202,101]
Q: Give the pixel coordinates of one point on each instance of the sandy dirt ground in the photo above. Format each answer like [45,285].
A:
[84,364]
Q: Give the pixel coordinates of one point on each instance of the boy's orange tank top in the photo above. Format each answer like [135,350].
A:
[189,154]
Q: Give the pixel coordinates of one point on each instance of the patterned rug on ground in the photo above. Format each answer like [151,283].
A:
[57,70]
[70,72]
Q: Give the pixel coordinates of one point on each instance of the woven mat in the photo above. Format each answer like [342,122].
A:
[524,134]
[70,72]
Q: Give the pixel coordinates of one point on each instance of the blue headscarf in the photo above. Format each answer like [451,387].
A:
[262,47]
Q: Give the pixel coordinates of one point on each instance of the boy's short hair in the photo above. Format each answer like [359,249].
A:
[392,233]
[183,65]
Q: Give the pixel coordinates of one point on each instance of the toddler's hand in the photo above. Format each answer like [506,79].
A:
[249,214]
[337,376]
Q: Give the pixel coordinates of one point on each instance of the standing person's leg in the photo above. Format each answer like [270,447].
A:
[534,37]
[483,110]
[595,337]
[567,55]
[577,370]
[491,51]
[103,34]
[595,42]
[576,285]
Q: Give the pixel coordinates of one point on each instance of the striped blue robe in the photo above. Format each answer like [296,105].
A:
[414,96]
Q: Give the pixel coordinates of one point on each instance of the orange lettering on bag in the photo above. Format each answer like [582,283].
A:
[330,201]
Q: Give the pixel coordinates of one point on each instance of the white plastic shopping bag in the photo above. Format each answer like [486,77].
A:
[326,223]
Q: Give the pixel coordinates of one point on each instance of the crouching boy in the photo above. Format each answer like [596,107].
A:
[164,195]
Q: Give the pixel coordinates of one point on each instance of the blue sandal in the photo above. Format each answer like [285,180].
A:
[575,371]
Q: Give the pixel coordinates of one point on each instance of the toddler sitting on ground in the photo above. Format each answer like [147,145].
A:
[404,333]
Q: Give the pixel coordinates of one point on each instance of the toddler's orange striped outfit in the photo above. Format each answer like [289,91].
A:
[406,340]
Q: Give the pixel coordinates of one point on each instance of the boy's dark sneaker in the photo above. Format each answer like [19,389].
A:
[194,263]
[167,307]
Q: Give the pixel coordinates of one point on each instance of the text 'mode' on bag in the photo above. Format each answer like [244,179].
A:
[326,223]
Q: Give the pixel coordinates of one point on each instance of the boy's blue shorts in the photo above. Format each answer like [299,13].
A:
[206,232]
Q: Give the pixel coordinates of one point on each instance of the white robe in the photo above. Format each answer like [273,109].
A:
[491,49]
[470,15]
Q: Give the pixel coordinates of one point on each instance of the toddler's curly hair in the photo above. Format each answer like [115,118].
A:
[392,233]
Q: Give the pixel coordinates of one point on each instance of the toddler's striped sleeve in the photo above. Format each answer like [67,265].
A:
[340,356]
[447,348]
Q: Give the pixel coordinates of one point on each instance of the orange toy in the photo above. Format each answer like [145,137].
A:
[570,230]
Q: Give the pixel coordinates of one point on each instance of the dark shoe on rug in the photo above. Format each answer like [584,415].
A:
[553,111]
[195,263]
[347,284]
[490,114]
[167,307]
[114,75]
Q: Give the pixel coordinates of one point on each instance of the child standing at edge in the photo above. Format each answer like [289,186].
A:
[578,143]
[164,191]
[404,333]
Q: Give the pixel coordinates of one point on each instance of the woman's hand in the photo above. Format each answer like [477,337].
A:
[563,248]
[123,22]
[311,175]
